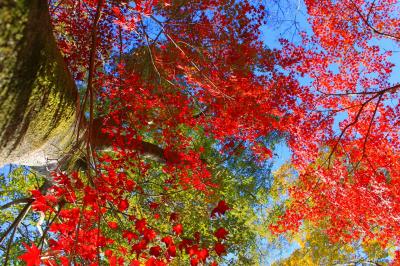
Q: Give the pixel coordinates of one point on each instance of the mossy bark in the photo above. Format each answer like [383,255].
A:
[37,93]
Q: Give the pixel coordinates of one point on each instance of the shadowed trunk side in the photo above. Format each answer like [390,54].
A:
[37,93]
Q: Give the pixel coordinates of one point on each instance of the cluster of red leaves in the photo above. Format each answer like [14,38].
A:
[82,226]
[32,255]
[349,172]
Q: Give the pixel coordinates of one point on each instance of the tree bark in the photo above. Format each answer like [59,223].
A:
[37,93]
[38,96]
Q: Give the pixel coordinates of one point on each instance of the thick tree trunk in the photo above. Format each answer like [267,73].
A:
[38,96]
[37,93]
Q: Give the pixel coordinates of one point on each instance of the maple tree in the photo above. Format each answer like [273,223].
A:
[145,117]
[349,176]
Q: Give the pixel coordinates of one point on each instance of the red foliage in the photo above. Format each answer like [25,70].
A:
[123,205]
[221,233]
[221,208]
[32,255]
[155,251]
[211,73]
[178,229]
[348,177]
[219,249]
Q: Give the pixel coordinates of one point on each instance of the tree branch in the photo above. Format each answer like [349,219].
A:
[14,202]
[369,25]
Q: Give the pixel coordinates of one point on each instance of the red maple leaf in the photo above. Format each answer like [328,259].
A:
[154,262]
[219,249]
[140,225]
[172,251]
[155,251]
[178,229]
[221,208]
[221,233]
[129,235]
[123,205]
[135,263]
[194,261]
[167,240]
[31,256]
[202,254]
[113,225]
[149,234]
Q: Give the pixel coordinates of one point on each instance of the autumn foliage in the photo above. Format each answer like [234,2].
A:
[347,177]
[171,90]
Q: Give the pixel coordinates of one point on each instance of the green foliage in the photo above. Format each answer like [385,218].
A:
[15,184]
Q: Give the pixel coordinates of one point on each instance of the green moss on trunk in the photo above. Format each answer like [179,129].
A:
[37,94]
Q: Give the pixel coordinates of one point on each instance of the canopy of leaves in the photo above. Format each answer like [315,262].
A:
[181,105]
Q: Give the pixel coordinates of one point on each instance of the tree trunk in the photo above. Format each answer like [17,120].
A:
[38,97]
[37,93]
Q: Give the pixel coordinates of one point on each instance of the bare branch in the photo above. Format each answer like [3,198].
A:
[391,89]
[15,202]
[370,123]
